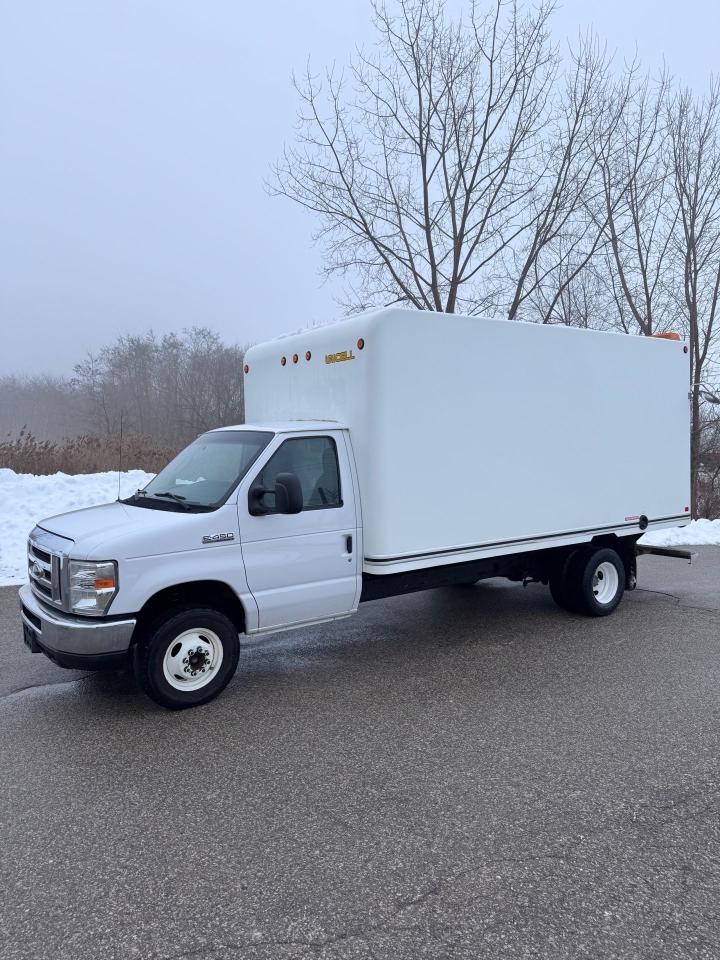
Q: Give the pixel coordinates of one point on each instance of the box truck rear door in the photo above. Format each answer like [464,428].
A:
[303,566]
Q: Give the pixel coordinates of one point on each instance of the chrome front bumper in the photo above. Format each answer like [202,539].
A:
[74,641]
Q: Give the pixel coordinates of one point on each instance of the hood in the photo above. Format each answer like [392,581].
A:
[119,531]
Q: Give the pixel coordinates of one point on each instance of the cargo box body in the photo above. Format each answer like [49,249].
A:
[476,437]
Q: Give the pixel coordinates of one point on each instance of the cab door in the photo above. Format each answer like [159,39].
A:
[304,566]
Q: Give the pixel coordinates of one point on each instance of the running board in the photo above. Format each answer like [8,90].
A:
[666,552]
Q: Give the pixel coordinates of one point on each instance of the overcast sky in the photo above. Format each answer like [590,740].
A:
[134,139]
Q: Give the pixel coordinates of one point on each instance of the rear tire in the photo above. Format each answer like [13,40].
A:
[559,586]
[592,582]
[187,658]
[558,593]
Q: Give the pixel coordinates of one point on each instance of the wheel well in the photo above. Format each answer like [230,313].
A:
[625,548]
[199,593]
[547,564]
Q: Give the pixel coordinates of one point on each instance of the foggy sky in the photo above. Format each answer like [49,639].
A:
[134,139]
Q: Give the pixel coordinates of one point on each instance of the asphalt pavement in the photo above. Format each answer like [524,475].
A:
[468,773]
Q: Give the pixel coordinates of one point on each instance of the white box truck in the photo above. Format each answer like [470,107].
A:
[388,453]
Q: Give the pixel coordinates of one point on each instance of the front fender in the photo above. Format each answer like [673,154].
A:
[141,578]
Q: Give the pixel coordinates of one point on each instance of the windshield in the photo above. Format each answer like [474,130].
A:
[203,475]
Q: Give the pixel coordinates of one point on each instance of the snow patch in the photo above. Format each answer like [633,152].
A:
[698,533]
[25,499]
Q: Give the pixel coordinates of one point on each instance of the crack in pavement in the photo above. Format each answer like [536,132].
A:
[364,931]
[358,931]
[361,931]
[678,600]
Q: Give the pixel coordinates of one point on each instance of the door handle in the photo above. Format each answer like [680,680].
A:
[348,543]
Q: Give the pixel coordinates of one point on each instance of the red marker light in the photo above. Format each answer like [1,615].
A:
[307,354]
[283,361]
[360,343]
[687,509]
[685,348]
[295,358]
[246,368]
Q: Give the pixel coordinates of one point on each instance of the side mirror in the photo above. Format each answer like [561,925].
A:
[256,507]
[288,493]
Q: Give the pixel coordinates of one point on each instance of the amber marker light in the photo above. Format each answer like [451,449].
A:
[104,584]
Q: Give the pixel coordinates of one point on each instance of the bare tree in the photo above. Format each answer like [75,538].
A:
[420,160]
[695,151]
[709,473]
[567,222]
[641,210]
[45,405]
[574,298]
[170,388]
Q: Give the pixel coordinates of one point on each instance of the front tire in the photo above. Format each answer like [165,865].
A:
[187,658]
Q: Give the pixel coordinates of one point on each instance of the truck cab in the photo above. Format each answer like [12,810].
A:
[249,529]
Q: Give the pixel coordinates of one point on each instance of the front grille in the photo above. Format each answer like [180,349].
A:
[44,574]
[41,586]
[39,554]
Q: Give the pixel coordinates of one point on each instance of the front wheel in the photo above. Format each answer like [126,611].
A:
[188,658]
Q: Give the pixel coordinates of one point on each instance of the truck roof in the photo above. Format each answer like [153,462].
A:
[286,426]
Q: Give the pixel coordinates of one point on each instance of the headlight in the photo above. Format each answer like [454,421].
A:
[92,586]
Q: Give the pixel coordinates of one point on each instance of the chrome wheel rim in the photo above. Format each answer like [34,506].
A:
[605,582]
[192,659]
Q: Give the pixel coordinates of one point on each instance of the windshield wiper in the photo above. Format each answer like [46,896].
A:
[169,493]
[177,497]
[142,496]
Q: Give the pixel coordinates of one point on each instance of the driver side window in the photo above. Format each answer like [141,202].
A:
[314,462]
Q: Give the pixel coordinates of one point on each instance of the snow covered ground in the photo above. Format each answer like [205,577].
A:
[698,533]
[25,499]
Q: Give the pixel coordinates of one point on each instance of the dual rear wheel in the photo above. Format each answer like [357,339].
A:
[591,582]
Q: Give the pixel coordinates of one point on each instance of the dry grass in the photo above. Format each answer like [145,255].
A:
[88,454]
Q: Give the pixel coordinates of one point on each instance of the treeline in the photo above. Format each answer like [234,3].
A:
[160,391]
[169,388]
[45,405]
